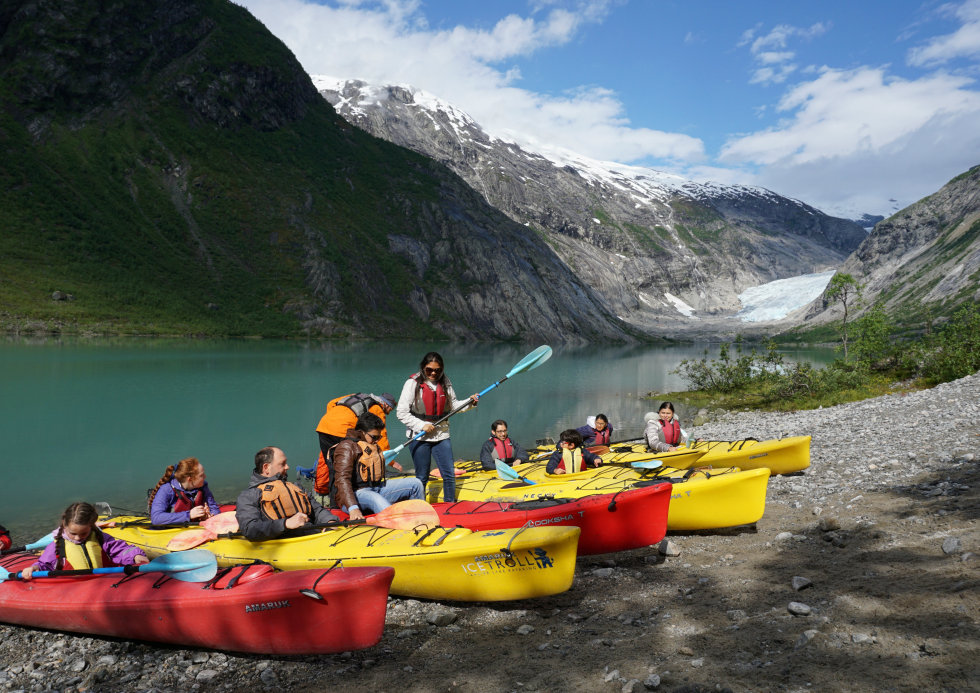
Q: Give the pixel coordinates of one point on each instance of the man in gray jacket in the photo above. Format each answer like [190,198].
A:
[271,504]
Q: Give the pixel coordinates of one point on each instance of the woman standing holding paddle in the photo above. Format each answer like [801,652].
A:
[426,399]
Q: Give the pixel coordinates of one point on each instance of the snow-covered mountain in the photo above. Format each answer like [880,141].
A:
[661,250]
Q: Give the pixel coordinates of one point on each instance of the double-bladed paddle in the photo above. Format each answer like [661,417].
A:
[529,362]
[186,566]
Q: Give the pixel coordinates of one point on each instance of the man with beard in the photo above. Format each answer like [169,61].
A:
[271,504]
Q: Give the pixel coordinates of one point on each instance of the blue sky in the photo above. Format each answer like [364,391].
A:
[858,106]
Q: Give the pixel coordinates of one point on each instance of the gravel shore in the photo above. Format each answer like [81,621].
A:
[861,576]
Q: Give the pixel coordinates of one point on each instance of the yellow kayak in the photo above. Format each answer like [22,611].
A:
[700,499]
[780,456]
[442,563]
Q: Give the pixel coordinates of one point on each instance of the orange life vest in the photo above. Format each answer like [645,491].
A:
[282,499]
[370,465]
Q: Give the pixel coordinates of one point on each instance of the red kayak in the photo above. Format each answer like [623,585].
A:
[249,608]
[610,522]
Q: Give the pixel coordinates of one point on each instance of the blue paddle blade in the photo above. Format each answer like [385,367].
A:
[532,360]
[647,464]
[504,471]
[197,565]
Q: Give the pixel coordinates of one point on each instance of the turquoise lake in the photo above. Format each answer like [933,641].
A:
[101,420]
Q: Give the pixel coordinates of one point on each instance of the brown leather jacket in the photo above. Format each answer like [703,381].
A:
[354,468]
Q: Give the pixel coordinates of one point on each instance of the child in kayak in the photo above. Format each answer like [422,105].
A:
[596,431]
[80,545]
[570,456]
[4,538]
[182,495]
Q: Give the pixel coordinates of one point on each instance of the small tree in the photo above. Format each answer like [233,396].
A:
[846,290]
[872,342]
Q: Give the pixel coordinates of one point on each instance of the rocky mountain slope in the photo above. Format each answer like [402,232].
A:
[171,167]
[656,247]
[923,261]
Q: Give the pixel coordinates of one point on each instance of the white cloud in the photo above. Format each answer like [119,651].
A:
[769,51]
[393,43]
[962,43]
[860,130]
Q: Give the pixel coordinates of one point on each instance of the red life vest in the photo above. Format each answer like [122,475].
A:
[434,401]
[601,437]
[183,502]
[505,449]
[672,431]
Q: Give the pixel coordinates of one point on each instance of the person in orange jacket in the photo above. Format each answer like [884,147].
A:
[342,413]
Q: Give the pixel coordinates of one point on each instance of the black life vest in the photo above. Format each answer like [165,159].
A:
[359,402]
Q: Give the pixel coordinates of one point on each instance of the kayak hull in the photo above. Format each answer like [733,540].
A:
[263,611]
[709,499]
[453,564]
[610,522]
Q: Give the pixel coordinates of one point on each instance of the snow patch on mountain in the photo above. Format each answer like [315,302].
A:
[779,298]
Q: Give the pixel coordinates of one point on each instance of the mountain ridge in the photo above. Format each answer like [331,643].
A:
[638,234]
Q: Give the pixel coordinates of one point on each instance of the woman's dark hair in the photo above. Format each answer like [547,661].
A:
[80,513]
[570,435]
[668,405]
[603,417]
[429,358]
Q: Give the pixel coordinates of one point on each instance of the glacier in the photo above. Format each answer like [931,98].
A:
[777,299]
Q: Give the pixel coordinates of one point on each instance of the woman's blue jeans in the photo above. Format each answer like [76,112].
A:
[423,452]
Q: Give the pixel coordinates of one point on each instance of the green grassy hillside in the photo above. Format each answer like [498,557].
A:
[171,167]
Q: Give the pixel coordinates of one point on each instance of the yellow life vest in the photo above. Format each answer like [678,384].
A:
[72,556]
[572,460]
[283,499]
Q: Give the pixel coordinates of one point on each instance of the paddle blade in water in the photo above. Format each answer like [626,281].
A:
[190,538]
[409,514]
